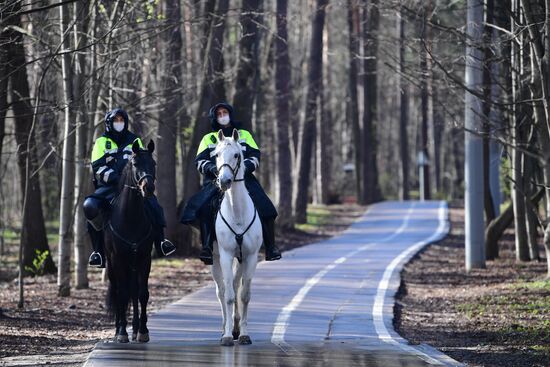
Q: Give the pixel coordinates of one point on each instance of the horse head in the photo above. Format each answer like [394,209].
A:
[229,160]
[143,168]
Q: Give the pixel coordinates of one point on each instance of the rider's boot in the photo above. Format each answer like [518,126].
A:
[163,246]
[206,240]
[268,230]
[97,258]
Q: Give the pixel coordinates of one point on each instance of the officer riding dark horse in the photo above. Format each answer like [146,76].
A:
[204,205]
[110,154]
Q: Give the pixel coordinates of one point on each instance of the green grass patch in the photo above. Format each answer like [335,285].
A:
[316,216]
[536,285]
[472,310]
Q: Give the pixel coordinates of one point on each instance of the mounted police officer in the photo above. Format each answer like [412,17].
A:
[109,157]
[203,205]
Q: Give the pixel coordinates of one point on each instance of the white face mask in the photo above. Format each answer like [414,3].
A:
[118,126]
[224,120]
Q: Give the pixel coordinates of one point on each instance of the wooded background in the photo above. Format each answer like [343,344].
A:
[342,97]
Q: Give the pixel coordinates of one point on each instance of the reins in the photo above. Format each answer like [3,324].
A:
[239,237]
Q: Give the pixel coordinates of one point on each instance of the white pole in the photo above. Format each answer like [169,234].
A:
[473,163]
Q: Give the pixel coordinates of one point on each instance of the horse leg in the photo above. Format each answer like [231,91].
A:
[143,335]
[236,313]
[249,267]
[123,297]
[226,262]
[135,317]
[218,279]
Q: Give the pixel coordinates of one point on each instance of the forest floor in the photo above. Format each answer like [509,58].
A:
[57,331]
[492,317]
[498,316]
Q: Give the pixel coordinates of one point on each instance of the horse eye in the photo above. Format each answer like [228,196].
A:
[236,155]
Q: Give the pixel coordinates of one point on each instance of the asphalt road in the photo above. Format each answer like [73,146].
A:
[325,304]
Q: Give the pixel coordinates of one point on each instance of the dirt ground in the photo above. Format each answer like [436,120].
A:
[57,331]
[498,316]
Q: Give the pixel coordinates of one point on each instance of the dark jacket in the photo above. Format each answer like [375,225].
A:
[205,201]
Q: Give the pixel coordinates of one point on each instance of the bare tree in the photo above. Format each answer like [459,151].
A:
[353,102]
[248,71]
[308,130]
[282,86]
[404,112]
[171,81]
[371,20]
[67,183]
[212,91]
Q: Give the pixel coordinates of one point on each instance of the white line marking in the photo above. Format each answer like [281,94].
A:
[279,331]
[378,308]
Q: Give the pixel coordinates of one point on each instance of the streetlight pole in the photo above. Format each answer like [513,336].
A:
[473,163]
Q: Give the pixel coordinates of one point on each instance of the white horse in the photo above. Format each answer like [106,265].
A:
[239,237]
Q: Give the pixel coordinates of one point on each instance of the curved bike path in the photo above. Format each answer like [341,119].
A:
[329,303]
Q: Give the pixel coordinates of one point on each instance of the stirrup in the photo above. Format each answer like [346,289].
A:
[167,248]
[96,260]
[206,256]
[272,255]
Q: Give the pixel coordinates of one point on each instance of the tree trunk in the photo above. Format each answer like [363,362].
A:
[4,76]
[518,191]
[496,228]
[212,91]
[404,112]
[308,130]
[166,145]
[248,72]
[67,184]
[487,107]
[425,103]
[283,94]
[324,128]
[371,20]
[33,233]
[82,179]
[353,104]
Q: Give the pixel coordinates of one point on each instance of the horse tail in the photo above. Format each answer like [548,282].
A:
[111,299]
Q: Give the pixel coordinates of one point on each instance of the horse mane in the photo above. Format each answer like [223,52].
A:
[125,176]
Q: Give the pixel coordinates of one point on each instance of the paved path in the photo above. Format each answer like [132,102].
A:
[329,303]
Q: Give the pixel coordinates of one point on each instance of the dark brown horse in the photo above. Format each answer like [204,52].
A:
[128,245]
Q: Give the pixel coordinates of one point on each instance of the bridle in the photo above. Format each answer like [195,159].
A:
[136,180]
[235,170]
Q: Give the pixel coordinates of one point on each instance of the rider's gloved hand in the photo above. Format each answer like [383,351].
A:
[249,167]
[212,170]
[112,179]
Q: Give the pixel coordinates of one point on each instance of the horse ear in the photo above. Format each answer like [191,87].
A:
[135,147]
[220,135]
[151,146]
[235,134]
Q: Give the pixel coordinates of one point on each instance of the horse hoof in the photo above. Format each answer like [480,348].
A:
[143,338]
[122,338]
[236,334]
[227,341]
[134,337]
[244,340]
